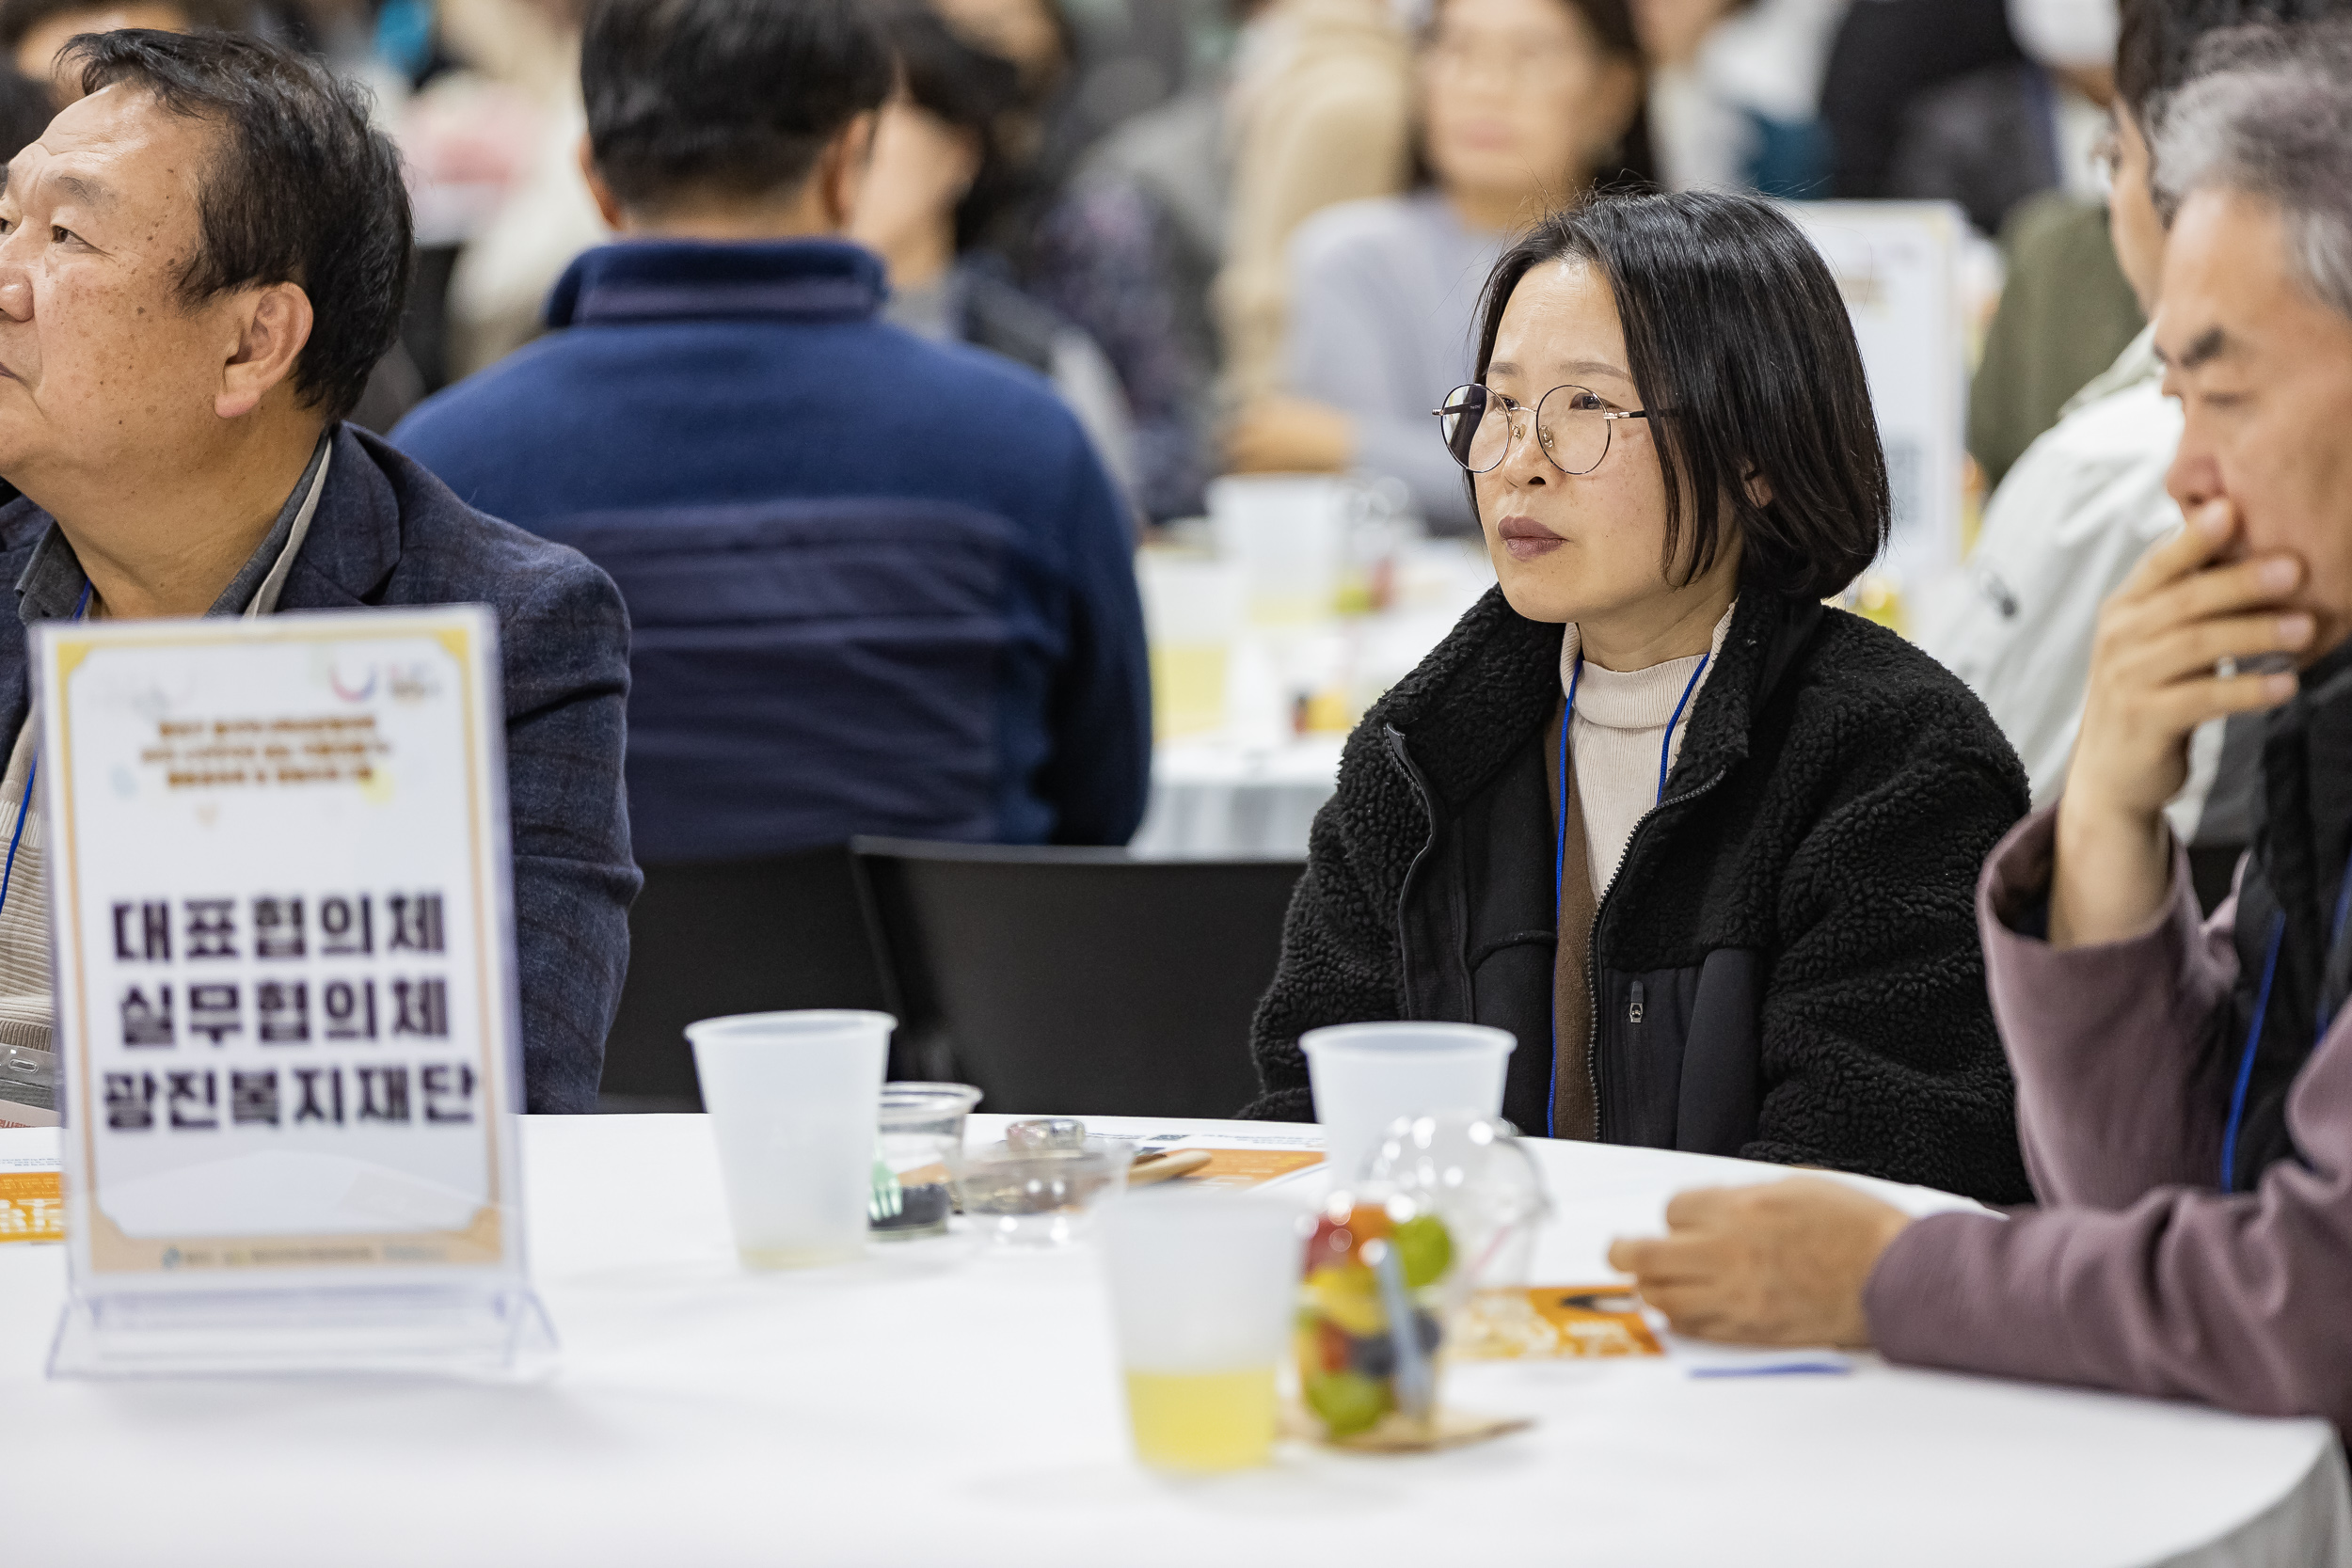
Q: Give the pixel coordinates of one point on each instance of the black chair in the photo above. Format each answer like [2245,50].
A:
[747,936]
[1070,981]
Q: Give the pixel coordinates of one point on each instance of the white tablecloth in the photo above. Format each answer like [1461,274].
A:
[1212,799]
[1252,786]
[936,1405]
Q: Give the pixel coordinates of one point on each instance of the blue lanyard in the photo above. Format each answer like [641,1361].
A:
[25,806]
[1560,845]
[2255,1030]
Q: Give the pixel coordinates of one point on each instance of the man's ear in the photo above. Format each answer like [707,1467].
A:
[272,323]
[607,205]
[841,168]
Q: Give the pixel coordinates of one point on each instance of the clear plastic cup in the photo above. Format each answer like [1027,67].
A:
[1366,1075]
[793,1101]
[1202,1286]
[1289,535]
[922,1128]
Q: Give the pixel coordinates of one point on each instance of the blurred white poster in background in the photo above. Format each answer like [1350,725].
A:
[1898,265]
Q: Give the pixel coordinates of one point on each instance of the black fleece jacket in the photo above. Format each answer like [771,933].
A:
[1785,967]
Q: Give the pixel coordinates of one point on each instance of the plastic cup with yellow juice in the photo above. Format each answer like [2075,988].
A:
[1201,1297]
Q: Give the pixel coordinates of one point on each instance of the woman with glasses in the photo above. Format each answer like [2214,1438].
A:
[1706,848]
[1521,106]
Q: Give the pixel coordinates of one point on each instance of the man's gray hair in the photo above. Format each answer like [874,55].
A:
[2268,112]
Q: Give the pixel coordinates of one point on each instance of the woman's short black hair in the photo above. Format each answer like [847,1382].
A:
[965,86]
[1740,345]
[300,188]
[736,96]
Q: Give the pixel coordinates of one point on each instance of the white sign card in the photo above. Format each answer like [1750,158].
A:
[285,984]
[1897,265]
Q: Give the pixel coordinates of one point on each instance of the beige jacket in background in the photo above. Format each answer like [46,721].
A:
[1321,114]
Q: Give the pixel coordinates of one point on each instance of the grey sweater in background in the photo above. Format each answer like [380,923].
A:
[2139,1276]
[1383,322]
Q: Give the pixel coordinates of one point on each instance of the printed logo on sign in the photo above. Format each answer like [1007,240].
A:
[352,688]
[412,683]
[403,683]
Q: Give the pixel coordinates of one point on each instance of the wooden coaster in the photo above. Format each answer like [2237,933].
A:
[1397,1433]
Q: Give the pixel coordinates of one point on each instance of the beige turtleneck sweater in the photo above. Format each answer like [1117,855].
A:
[1620,726]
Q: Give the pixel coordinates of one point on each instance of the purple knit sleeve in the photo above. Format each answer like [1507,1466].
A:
[2118,1049]
[2140,1276]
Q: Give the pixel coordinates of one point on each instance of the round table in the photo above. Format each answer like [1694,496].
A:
[937,1404]
[1215,800]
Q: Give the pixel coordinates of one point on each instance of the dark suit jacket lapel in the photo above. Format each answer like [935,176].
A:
[354,541]
[22,525]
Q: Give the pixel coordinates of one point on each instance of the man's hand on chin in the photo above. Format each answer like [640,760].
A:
[1781,1264]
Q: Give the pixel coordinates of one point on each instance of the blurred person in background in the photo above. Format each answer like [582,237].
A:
[1046,128]
[1994,137]
[498,289]
[1320,113]
[25,109]
[1734,92]
[1131,251]
[877,584]
[930,190]
[1095,248]
[1702,845]
[1887,55]
[1522,104]
[2066,309]
[33,31]
[2184,1088]
[2088,499]
[180,355]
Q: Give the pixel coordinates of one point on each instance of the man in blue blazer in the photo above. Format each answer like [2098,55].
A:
[200,261]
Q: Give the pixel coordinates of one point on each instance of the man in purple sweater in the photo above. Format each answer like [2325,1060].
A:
[2184,1093]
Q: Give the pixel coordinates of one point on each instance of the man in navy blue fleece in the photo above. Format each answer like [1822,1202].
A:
[878,585]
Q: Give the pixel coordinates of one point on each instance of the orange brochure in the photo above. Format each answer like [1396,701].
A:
[1556,1323]
[1248,1167]
[31,1207]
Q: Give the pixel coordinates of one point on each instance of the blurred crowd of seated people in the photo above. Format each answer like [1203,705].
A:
[1127,186]
[1164,240]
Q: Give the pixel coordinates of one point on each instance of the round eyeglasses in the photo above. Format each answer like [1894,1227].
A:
[1572,423]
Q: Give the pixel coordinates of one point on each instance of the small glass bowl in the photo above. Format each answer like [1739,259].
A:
[920,1123]
[1039,1198]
